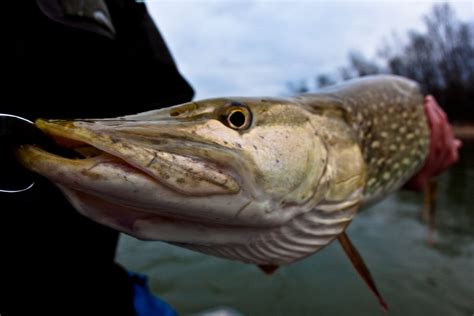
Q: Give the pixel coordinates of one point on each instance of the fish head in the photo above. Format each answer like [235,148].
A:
[215,172]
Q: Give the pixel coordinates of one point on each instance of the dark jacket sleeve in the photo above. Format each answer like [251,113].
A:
[58,262]
[61,71]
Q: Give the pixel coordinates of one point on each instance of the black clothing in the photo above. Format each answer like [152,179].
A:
[55,261]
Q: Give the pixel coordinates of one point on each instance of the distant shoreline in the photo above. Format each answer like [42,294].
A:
[464,131]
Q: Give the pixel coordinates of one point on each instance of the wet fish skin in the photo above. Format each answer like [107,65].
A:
[269,194]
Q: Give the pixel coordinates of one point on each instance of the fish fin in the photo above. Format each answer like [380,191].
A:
[268,269]
[359,264]
[429,208]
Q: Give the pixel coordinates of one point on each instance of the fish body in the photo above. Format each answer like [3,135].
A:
[266,181]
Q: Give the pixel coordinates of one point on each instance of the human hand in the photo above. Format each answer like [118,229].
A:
[443,150]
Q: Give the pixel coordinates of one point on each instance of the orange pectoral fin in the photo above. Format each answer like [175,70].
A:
[268,269]
[360,266]
[429,208]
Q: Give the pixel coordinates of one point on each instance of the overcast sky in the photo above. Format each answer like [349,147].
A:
[253,48]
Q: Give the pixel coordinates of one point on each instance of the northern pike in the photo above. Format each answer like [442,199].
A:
[266,181]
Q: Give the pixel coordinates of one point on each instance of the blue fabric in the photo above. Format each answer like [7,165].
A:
[145,303]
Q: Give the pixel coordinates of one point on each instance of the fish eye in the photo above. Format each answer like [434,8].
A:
[238,117]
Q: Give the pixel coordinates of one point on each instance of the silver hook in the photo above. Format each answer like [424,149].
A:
[18,117]
[33,183]
[18,191]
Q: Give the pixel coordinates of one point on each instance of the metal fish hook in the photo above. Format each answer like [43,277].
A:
[14,127]
[18,191]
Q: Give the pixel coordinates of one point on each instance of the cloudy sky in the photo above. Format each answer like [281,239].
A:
[255,47]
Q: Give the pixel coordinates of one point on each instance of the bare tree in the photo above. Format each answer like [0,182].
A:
[297,87]
[324,81]
[441,59]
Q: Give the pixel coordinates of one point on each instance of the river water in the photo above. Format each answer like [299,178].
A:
[414,278]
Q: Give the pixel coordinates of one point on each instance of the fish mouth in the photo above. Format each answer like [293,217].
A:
[90,143]
[140,188]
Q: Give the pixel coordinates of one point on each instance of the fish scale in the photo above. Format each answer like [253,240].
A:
[387,117]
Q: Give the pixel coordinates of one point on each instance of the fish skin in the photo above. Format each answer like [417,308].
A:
[388,120]
[270,194]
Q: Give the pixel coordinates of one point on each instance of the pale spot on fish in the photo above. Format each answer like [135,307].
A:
[393,147]
[375,144]
[402,129]
[410,136]
[406,161]
[384,135]
[371,181]
[386,176]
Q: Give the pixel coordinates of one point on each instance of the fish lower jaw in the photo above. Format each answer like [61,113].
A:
[68,171]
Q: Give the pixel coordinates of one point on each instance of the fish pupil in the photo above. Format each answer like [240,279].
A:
[237,119]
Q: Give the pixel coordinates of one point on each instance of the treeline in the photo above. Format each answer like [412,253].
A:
[441,59]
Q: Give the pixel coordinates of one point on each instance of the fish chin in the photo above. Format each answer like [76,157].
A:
[162,226]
